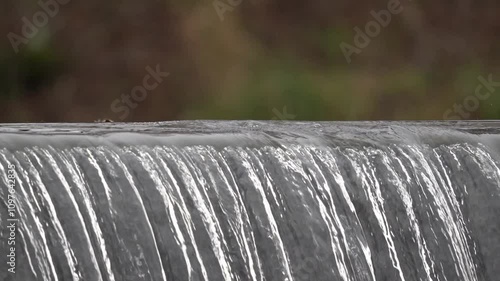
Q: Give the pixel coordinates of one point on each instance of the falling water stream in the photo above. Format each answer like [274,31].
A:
[251,201]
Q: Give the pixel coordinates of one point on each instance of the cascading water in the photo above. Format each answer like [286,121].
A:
[251,201]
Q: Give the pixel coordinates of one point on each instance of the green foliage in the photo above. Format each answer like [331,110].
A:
[28,72]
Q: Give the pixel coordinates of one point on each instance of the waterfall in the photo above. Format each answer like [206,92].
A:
[207,200]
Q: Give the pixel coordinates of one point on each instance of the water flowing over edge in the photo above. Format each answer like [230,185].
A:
[256,200]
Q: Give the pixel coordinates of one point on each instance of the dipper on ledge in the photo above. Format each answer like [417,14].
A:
[103,121]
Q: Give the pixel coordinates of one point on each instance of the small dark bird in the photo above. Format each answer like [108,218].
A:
[103,121]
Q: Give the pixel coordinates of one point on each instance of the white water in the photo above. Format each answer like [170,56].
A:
[265,203]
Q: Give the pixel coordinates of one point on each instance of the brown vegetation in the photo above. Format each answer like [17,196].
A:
[264,55]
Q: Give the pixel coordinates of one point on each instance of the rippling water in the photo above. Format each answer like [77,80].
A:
[253,201]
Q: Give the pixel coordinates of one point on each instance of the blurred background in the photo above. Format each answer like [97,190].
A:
[78,61]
